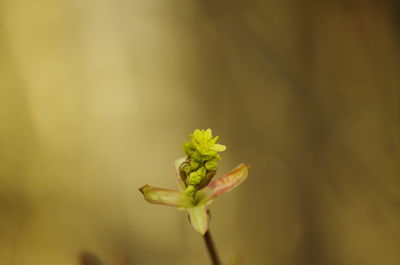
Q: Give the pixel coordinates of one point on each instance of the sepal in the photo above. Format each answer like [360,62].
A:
[227,182]
[180,182]
[199,218]
[164,196]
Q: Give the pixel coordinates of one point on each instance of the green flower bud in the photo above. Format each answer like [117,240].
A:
[203,146]
[201,162]
[194,164]
[206,179]
[211,165]
[196,177]
[190,191]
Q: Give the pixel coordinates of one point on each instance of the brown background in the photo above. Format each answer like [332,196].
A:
[96,98]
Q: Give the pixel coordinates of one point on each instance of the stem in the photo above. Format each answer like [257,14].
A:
[212,251]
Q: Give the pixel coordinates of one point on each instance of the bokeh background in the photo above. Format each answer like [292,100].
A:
[96,98]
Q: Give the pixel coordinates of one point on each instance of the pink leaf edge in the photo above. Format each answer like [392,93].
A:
[227,182]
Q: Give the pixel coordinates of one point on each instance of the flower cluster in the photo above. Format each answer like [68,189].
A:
[201,162]
[194,175]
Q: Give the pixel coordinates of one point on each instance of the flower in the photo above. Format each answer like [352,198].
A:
[200,164]
[194,175]
[203,147]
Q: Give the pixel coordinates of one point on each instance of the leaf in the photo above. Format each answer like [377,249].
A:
[164,196]
[199,218]
[226,182]
[181,184]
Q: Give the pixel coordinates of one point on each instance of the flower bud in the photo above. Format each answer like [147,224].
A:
[201,163]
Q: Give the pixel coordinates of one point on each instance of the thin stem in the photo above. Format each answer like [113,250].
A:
[212,251]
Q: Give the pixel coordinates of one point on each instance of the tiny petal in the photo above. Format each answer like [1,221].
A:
[219,147]
[199,218]
[164,196]
[208,133]
[226,182]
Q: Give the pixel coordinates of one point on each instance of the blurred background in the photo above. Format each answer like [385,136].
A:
[97,97]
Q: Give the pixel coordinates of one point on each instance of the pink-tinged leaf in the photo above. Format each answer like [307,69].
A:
[199,218]
[179,181]
[164,196]
[226,182]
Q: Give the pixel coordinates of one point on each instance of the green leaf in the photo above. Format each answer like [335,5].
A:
[164,196]
[226,182]
[199,218]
